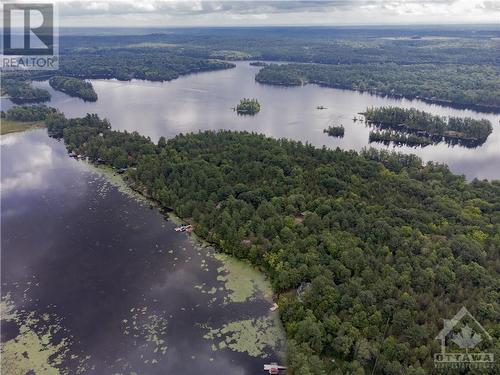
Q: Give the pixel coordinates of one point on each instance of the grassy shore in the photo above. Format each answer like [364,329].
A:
[9,126]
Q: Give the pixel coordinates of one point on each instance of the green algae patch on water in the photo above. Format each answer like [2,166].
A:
[242,281]
[256,337]
[149,330]
[33,349]
[118,181]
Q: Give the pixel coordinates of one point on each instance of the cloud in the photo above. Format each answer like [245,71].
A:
[490,6]
[81,8]
[152,12]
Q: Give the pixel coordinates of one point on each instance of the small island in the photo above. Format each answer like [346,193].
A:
[248,107]
[258,63]
[415,127]
[335,131]
[74,87]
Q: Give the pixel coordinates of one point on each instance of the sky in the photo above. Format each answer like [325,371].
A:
[175,13]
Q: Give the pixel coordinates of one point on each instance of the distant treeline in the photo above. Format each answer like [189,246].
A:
[126,65]
[258,63]
[323,45]
[121,65]
[461,68]
[74,87]
[367,252]
[444,84]
[427,125]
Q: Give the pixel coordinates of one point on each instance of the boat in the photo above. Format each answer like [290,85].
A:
[320,107]
[273,368]
[184,228]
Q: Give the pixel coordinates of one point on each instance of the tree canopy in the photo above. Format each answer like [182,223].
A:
[368,251]
[248,107]
[472,86]
[21,92]
[428,125]
[74,87]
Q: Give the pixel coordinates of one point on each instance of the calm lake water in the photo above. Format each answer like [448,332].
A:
[96,282]
[204,101]
[108,285]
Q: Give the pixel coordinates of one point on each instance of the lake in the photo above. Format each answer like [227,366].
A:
[204,101]
[94,281]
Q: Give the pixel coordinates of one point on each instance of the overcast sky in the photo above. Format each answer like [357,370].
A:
[153,13]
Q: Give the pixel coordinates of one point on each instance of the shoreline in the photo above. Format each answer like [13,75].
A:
[481,108]
[230,264]
[12,127]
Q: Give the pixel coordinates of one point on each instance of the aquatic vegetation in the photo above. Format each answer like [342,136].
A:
[241,280]
[151,328]
[117,181]
[251,336]
[34,349]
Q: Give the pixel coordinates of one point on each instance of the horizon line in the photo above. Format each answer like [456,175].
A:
[289,25]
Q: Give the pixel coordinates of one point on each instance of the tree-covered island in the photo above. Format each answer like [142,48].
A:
[248,107]
[335,131]
[74,87]
[413,126]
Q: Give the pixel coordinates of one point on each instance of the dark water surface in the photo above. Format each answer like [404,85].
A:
[84,263]
[204,101]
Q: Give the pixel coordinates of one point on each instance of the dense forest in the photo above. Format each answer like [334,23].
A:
[28,113]
[111,63]
[20,92]
[124,65]
[474,45]
[472,86]
[248,107]
[424,124]
[138,64]
[74,87]
[368,252]
[449,65]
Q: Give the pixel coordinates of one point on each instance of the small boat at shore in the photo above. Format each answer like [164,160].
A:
[274,368]
[184,228]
